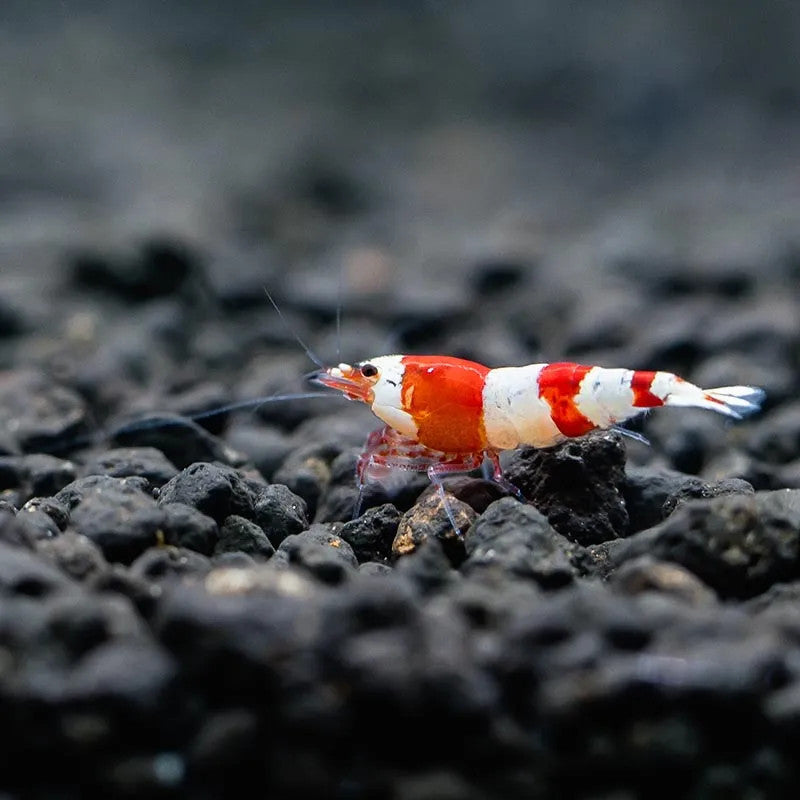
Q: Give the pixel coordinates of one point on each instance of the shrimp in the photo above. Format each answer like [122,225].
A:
[444,415]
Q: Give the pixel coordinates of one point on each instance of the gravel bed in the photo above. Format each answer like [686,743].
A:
[187,604]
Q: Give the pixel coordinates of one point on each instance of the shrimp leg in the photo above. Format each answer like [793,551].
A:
[388,450]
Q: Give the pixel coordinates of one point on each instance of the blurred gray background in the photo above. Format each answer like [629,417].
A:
[429,133]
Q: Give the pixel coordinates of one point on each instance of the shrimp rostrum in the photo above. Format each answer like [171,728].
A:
[446,415]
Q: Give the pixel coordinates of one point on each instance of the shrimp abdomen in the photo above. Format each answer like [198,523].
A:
[543,404]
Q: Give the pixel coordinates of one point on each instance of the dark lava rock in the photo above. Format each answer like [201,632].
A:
[374,568]
[706,490]
[651,495]
[477,493]
[513,538]
[56,510]
[149,772]
[786,476]
[331,189]
[14,533]
[738,545]
[216,490]
[499,275]
[36,474]
[758,473]
[679,278]
[13,319]
[429,520]
[321,552]
[24,573]
[74,554]
[564,634]
[185,526]
[340,503]
[403,657]
[428,567]
[168,563]
[12,500]
[123,462]
[74,493]
[339,494]
[7,507]
[766,329]
[265,448]
[776,437]
[10,472]
[219,491]
[440,783]
[672,337]
[205,401]
[115,513]
[610,322]
[646,574]
[279,512]
[489,600]
[119,580]
[33,526]
[46,475]
[181,441]
[159,268]
[307,472]
[227,740]
[689,440]
[372,534]
[56,416]
[132,675]
[695,703]
[81,622]
[239,535]
[368,603]
[783,709]
[8,445]
[236,559]
[577,485]
[778,595]
[232,636]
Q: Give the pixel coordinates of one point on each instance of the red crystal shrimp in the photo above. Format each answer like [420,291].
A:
[446,415]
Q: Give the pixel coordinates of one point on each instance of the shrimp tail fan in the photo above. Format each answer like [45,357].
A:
[733,401]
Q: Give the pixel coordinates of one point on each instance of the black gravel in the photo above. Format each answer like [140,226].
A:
[188,606]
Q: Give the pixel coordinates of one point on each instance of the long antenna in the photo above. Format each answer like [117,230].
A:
[253,402]
[155,421]
[257,402]
[339,316]
[308,351]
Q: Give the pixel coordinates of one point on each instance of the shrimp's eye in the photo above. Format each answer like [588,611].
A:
[369,370]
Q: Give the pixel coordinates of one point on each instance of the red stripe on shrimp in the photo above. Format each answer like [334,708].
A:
[641,385]
[559,384]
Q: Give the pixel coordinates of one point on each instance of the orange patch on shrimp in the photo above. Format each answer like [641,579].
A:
[559,383]
[445,397]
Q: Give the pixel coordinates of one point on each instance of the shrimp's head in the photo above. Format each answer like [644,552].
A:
[378,382]
[355,382]
[400,390]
